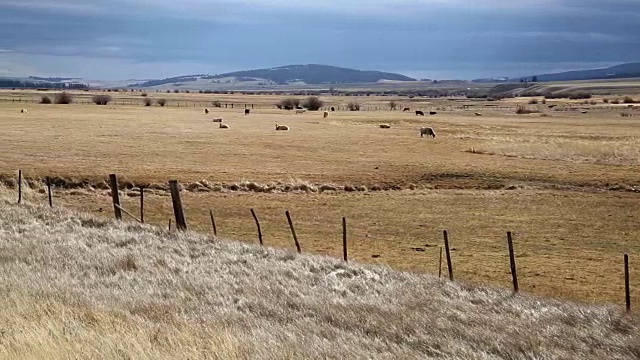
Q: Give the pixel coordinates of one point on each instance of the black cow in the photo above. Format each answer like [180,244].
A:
[333,109]
[406,109]
[418,112]
[432,113]
[246,111]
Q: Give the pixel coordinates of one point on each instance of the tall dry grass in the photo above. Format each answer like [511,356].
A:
[586,149]
[74,286]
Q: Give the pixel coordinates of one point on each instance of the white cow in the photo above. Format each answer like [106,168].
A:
[224,126]
[301,111]
[282,127]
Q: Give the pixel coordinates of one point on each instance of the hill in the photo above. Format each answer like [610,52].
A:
[630,70]
[292,74]
[76,286]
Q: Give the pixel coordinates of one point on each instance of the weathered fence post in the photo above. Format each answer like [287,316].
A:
[213,223]
[440,264]
[19,187]
[255,217]
[142,204]
[49,192]
[512,262]
[344,240]
[627,289]
[178,211]
[169,224]
[293,232]
[448,253]
[115,195]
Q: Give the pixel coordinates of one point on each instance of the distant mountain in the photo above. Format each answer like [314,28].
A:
[630,70]
[292,74]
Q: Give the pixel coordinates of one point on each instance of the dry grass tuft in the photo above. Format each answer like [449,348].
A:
[186,296]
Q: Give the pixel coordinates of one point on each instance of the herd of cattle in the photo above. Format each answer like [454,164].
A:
[424,131]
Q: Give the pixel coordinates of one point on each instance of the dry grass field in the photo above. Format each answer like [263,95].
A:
[80,287]
[564,183]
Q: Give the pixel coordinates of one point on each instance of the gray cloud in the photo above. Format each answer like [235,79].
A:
[479,38]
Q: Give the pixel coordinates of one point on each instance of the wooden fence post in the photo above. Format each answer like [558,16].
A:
[178,211]
[213,223]
[49,192]
[448,253]
[293,232]
[627,288]
[344,240]
[19,187]
[169,224]
[512,262]
[440,264]
[255,217]
[142,204]
[115,196]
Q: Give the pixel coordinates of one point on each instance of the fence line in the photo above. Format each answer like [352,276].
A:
[181,225]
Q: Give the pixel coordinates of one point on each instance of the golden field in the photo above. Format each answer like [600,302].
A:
[563,182]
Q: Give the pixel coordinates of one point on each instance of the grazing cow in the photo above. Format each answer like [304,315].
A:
[282,127]
[385,126]
[584,111]
[418,112]
[247,111]
[325,114]
[24,111]
[478,114]
[206,111]
[427,131]
[333,108]
[218,120]
[300,111]
[406,109]
[432,113]
[224,126]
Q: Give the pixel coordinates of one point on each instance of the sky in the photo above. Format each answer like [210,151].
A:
[435,39]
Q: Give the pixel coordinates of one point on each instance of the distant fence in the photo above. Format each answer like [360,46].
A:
[181,225]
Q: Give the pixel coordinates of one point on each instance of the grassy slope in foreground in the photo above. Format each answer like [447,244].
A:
[76,286]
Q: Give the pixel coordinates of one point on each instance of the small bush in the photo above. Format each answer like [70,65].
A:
[544,101]
[313,103]
[393,105]
[176,91]
[533,101]
[523,110]
[290,102]
[64,98]
[187,91]
[45,100]
[161,102]
[605,100]
[353,106]
[101,99]
[148,102]
[580,95]
[144,94]
[628,100]
[217,104]
[615,101]
[168,91]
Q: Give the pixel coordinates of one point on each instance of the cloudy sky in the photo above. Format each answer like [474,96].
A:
[439,39]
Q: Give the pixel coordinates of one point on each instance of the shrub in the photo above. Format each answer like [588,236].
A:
[393,105]
[580,95]
[533,101]
[615,101]
[144,94]
[353,106]
[523,110]
[64,98]
[161,102]
[176,91]
[148,102]
[605,100]
[217,104]
[290,102]
[544,101]
[168,91]
[101,99]
[187,91]
[45,100]
[313,103]
[628,100]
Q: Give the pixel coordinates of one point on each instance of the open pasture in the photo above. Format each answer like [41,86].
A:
[560,182]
